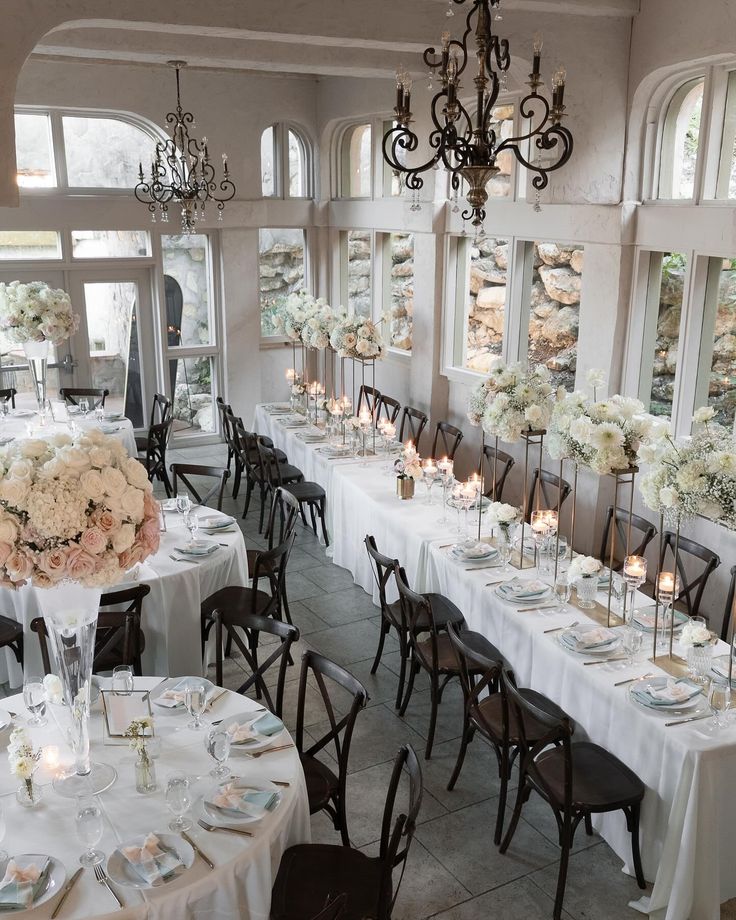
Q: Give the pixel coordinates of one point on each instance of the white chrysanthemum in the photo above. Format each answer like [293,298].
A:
[606,437]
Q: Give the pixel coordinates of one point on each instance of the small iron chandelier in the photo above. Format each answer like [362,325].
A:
[468,147]
[181,172]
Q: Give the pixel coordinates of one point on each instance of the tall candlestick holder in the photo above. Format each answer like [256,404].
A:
[621,478]
[532,440]
[635,574]
[666,591]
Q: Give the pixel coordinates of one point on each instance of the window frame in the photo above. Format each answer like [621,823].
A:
[281,170]
[271,341]
[339,189]
[382,263]
[56,115]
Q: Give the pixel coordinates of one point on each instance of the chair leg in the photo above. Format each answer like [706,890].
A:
[522,793]
[313,517]
[635,852]
[435,694]
[263,509]
[588,825]
[465,740]
[248,493]
[385,627]
[505,769]
[410,687]
[236,479]
[566,843]
[302,514]
[322,516]
[404,652]
[218,645]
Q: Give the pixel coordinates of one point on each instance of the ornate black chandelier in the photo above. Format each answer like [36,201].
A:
[466,145]
[181,172]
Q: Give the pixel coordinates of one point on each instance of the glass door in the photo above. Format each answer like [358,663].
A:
[14,369]
[116,321]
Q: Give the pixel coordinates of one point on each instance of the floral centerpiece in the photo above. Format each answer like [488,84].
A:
[408,469]
[319,324]
[604,436]
[75,516]
[503,516]
[584,572]
[138,732]
[512,401]
[23,761]
[357,337]
[35,315]
[690,476]
[293,314]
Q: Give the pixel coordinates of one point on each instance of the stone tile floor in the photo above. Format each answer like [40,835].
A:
[454,870]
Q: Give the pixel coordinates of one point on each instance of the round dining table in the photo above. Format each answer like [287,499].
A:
[245,867]
[23,423]
[171,612]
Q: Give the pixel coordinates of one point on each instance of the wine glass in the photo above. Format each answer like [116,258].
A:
[632,640]
[191,522]
[34,697]
[100,413]
[89,830]
[720,700]
[183,504]
[84,406]
[179,801]
[122,680]
[562,591]
[195,701]
[217,745]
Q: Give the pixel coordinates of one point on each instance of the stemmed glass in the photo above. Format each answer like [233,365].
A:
[100,413]
[122,680]
[84,406]
[429,477]
[34,697]
[562,589]
[540,533]
[632,640]
[720,700]
[445,469]
[179,801]
[217,743]
[195,702]
[183,504]
[191,522]
[668,587]
[89,830]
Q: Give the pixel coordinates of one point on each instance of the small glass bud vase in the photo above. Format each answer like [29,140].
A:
[29,794]
[699,659]
[587,588]
[405,487]
[145,776]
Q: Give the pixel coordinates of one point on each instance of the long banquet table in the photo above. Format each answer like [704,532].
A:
[171,612]
[245,867]
[688,825]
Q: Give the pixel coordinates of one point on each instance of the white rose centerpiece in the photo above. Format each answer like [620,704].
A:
[512,401]
[357,337]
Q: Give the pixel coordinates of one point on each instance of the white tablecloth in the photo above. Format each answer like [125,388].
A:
[23,425]
[245,868]
[688,831]
[171,612]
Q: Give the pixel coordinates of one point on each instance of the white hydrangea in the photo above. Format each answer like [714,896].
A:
[512,401]
[34,312]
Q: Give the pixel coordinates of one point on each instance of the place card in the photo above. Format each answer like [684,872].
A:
[120,710]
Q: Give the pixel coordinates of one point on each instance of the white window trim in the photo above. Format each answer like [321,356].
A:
[281,170]
[269,341]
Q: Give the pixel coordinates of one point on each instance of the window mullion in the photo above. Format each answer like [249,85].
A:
[57,140]
[702,162]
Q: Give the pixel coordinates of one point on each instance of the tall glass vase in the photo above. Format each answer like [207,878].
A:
[38,354]
[70,614]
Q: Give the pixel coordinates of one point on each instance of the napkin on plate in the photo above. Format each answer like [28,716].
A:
[590,638]
[520,588]
[174,696]
[242,733]
[199,549]
[475,550]
[674,691]
[21,886]
[219,522]
[152,861]
[234,801]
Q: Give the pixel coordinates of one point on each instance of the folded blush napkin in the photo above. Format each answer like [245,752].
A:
[175,696]
[242,733]
[592,638]
[520,588]
[151,861]
[21,886]
[672,692]
[237,801]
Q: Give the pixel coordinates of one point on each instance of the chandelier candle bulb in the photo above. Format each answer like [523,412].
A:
[538,43]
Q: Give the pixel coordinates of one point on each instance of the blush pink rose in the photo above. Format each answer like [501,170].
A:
[131,557]
[7,583]
[94,541]
[151,507]
[42,580]
[5,550]
[19,566]
[150,536]
[80,564]
[108,522]
[53,563]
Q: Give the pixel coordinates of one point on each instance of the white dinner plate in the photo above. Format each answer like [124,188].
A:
[122,873]
[612,644]
[198,549]
[667,708]
[6,720]
[259,742]
[719,666]
[172,682]
[216,521]
[221,819]
[22,413]
[113,416]
[55,879]
[487,552]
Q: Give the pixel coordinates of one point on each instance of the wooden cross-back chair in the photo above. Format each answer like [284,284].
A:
[185,471]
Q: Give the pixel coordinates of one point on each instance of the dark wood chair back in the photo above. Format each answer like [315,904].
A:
[8,395]
[156,443]
[729,614]
[184,471]
[472,662]
[642,534]
[368,397]
[286,508]
[397,831]
[388,408]
[161,409]
[413,422]
[334,909]
[688,554]
[502,462]
[95,396]
[280,653]
[552,492]
[383,568]
[416,611]
[447,439]
[338,738]
[119,639]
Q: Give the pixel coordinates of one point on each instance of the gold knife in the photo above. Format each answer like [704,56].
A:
[197,850]
[707,715]
[587,664]
[67,888]
[215,698]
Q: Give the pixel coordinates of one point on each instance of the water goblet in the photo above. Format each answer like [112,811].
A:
[217,744]
[100,413]
[562,589]
[122,680]
[191,522]
[84,406]
[195,702]
[34,697]
[619,589]
[183,504]
[179,801]
[89,830]
[720,700]
[632,640]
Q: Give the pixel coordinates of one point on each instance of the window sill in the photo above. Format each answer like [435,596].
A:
[398,356]
[460,375]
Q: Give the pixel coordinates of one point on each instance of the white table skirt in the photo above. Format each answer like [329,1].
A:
[17,426]
[171,612]
[245,868]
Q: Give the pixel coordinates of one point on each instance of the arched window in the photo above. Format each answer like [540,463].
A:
[93,150]
[286,168]
[356,162]
[681,142]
